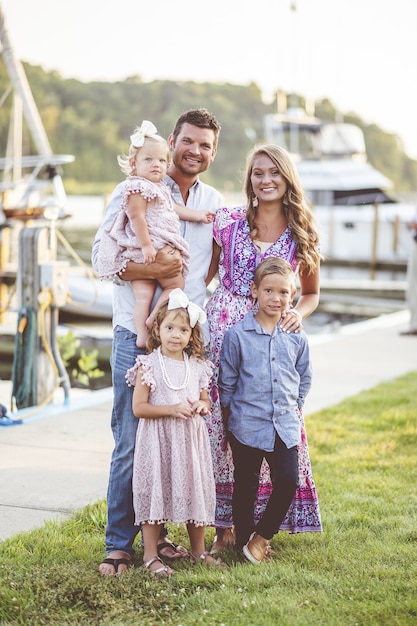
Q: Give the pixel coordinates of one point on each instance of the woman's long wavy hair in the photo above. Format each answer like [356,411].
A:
[195,346]
[296,210]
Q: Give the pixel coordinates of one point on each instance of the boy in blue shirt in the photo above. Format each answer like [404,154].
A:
[265,375]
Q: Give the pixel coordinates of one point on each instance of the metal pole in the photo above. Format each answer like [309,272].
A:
[375,232]
[22,88]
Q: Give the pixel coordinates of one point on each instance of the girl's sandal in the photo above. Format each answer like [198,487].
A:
[160,572]
[207,559]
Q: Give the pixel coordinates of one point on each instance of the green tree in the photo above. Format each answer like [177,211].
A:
[93,121]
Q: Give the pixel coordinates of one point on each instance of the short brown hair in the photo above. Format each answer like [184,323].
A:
[200,118]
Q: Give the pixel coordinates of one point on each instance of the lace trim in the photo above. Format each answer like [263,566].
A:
[164,521]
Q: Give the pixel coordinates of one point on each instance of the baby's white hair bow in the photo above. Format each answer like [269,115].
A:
[179,300]
[147,129]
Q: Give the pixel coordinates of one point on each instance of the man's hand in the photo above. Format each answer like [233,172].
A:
[167,264]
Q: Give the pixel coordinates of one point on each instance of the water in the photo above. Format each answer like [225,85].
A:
[87,213]
[347,233]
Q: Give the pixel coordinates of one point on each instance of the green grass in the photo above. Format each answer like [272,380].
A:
[360,571]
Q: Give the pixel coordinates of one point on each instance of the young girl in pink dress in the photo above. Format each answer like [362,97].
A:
[147,221]
[172,472]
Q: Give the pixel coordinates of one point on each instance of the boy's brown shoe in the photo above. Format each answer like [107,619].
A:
[256,549]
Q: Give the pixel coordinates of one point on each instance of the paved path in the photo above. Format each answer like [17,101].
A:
[57,460]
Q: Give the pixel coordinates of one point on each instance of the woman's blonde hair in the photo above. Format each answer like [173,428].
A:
[124,160]
[296,210]
[195,346]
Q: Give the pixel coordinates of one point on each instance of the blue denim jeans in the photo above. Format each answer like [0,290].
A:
[120,530]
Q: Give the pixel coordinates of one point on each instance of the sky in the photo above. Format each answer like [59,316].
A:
[360,54]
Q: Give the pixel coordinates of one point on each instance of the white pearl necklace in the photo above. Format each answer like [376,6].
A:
[165,376]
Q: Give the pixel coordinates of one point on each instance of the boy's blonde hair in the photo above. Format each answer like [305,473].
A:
[273,265]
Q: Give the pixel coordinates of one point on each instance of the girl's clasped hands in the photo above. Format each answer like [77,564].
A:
[187,411]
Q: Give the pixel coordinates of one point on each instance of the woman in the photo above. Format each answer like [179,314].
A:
[276,222]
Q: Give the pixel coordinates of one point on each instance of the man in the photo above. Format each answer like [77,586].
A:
[193,144]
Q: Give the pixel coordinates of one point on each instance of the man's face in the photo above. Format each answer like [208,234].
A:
[193,151]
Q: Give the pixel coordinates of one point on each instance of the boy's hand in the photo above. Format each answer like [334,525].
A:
[225,416]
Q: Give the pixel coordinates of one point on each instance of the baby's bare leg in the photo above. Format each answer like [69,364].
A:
[167,284]
[143,291]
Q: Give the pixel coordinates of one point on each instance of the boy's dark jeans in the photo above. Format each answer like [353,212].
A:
[283,464]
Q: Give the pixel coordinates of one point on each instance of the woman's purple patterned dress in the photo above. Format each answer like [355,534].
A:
[228,304]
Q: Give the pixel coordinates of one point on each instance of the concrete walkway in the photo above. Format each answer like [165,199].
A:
[57,460]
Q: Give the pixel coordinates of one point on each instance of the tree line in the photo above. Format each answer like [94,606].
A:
[93,121]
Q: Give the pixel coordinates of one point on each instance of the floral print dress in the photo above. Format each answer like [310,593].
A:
[228,304]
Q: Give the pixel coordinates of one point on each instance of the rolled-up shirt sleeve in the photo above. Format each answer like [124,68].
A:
[110,212]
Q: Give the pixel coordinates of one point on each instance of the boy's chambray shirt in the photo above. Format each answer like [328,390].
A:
[264,378]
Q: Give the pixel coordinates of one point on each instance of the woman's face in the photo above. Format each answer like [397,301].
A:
[267,182]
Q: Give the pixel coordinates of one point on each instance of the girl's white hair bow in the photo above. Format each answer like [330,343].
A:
[179,300]
[147,129]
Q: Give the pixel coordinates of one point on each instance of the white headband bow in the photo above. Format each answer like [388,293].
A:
[179,300]
[147,129]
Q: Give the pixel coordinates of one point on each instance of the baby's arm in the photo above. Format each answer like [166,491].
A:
[137,210]
[191,215]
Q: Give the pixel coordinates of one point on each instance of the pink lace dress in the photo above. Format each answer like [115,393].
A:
[172,471]
[228,304]
[119,244]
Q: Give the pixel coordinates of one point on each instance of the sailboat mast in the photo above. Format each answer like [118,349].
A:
[21,86]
